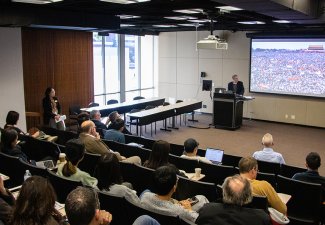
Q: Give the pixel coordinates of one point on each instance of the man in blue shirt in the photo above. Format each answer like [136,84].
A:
[115,134]
[268,154]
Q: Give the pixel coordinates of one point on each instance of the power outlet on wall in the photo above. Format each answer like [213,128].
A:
[204,106]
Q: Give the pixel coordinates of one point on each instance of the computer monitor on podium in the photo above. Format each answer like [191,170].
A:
[220,90]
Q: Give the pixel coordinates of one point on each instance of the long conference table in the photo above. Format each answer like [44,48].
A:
[162,113]
[125,107]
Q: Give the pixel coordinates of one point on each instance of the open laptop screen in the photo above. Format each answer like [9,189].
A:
[214,155]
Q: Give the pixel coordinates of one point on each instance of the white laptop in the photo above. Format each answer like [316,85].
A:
[45,164]
[214,155]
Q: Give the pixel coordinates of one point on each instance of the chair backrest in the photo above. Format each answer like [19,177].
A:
[216,173]
[111,101]
[11,166]
[136,211]
[89,163]
[289,171]
[269,167]
[305,201]
[166,103]
[179,101]
[140,177]
[93,104]
[34,170]
[146,142]
[62,186]
[187,188]
[269,177]
[188,165]
[258,202]
[230,160]
[116,206]
[38,149]
[63,136]
[176,149]
[74,109]
[138,98]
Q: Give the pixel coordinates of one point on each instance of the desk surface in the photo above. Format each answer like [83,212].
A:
[123,104]
[163,109]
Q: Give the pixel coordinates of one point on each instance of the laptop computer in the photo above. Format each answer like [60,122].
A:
[45,164]
[214,155]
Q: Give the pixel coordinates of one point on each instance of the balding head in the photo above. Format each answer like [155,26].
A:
[87,126]
[267,140]
[237,190]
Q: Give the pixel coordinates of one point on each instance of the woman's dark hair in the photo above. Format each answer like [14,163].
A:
[35,202]
[159,155]
[108,171]
[75,151]
[12,118]
[8,136]
[48,92]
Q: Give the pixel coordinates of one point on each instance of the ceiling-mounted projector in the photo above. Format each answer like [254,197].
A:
[212,42]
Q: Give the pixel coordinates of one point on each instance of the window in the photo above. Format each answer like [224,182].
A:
[138,69]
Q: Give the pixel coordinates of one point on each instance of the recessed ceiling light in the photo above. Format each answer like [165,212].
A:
[199,21]
[281,21]
[189,11]
[125,1]
[251,22]
[123,17]
[190,24]
[127,25]
[164,26]
[180,17]
[37,1]
[229,8]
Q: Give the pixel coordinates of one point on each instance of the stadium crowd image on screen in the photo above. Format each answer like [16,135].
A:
[288,66]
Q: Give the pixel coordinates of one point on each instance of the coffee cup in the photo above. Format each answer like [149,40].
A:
[62,157]
[197,172]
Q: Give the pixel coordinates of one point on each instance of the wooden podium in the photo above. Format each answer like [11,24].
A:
[227,110]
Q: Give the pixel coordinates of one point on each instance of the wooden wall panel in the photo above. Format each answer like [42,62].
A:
[61,59]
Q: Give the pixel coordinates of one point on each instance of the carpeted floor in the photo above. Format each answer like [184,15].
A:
[292,141]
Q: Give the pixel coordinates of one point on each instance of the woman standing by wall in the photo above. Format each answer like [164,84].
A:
[52,110]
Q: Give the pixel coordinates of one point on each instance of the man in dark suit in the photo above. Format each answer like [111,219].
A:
[236,86]
[236,193]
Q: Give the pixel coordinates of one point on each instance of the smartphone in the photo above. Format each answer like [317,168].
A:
[193,200]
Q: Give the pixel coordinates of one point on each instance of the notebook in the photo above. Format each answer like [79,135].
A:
[45,164]
[214,155]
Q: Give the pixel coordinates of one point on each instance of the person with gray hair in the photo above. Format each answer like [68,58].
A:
[95,116]
[82,208]
[237,192]
[267,153]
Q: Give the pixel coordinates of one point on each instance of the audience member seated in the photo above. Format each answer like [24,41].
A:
[236,193]
[9,140]
[268,154]
[159,156]
[95,145]
[82,208]
[75,151]
[115,134]
[313,162]
[12,120]
[7,201]
[145,220]
[248,169]
[35,203]
[110,180]
[83,116]
[190,151]
[114,116]
[95,116]
[165,183]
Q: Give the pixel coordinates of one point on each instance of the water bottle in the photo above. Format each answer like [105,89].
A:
[27,175]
